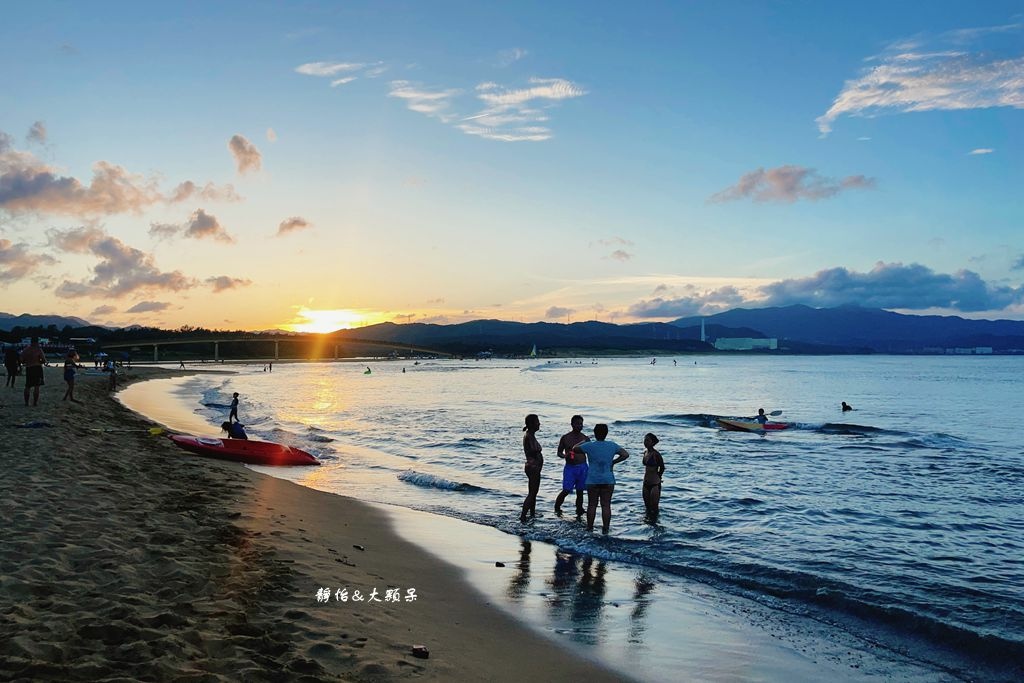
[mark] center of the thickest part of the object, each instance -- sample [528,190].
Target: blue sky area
[262,164]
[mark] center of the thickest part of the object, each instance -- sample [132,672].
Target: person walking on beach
[234,408]
[602,456]
[654,470]
[534,464]
[574,474]
[33,359]
[70,368]
[12,363]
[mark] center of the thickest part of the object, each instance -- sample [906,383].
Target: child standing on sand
[234,408]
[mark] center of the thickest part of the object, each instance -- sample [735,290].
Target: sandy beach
[123,558]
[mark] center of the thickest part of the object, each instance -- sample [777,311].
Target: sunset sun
[329,320]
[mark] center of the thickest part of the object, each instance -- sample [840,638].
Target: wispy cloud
[517,114]
[293,224]
[149,307]
[342,81]
[434,103]
[271,135]
[980,150]
[16,262]
[693,301]
[223,283]
[105,309]
[788,184]
[247,156]
[122,270]
[615,241]
[511,56]
[208,192]
[620,255]
[957,70]
[1018,264]
[327,69]
[202,225]
[37,133]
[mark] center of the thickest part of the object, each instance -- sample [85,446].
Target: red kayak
[744,426]
[242,450]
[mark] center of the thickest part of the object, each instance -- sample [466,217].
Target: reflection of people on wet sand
[520,582]
[643,586]
[602,456]
[574,474]
[578,593]
[534,464]
[654,470]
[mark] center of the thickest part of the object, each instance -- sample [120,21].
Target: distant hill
[868,328]
[514,337]
[9,322]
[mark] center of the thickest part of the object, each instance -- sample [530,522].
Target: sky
[316,165]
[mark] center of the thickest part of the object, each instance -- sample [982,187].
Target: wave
[435,482]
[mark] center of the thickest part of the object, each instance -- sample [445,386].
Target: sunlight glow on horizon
[329,320]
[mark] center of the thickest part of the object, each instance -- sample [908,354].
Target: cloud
[293,224]
[104,310]
[375,71]
[27,185]
[514,115]
[122,270]
[327,68]
[981,150]
[271,135]
[1018,264]
[613,242]
[208,192]
[342,81]
[37,133]
[223,283]
[620,255]
[893,285]
[957,70]
[202,225]
[559,312]
[788,184]
[662,288]
[148,307]
[510,56]
[434,103]
[247,157]
[693,303]
[163,231]
[16,262]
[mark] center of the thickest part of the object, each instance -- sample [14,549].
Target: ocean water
[901,521]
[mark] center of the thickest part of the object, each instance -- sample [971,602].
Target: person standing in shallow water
[654,470]
[534,464]
[574,475]
[602,456]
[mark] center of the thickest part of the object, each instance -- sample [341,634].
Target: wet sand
[122,557]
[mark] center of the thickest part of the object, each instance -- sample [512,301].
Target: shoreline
[597,608]
[126,557]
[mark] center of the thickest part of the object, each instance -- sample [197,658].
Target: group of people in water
[589,466]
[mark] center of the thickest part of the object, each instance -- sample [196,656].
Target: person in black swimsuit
[534,464]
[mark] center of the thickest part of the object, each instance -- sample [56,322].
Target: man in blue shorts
[574,475]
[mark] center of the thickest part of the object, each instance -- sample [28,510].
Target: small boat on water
[244,450]
[750,426]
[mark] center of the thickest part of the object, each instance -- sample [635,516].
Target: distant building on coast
[746,344]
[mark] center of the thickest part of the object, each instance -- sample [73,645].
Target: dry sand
[125,558]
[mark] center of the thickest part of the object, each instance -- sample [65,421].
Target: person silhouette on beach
[33,359]
[654,470]
[602,456]
[846,406]
[534,464]
[235,430]
[234,408]
[574,474]
[70,368]
[13,363]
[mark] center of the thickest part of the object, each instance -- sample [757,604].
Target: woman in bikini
[654,469]
[534,464]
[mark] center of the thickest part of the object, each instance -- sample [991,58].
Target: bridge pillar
[277,349]
[216,351]
[156,353]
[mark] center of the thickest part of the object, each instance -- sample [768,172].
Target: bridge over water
[318,341]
